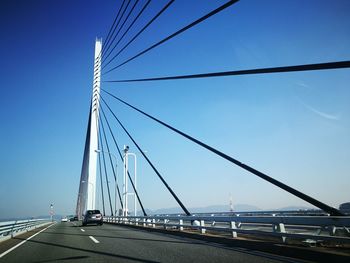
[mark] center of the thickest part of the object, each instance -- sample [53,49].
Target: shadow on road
[90,251]
[63,259]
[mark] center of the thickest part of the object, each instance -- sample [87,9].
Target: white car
[64,219]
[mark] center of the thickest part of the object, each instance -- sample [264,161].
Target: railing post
[202,225]
[165,221]
[181,225]
[144,222]
[332,230]
[12,229]
[280,228]
[153,223]
[26,227]
[233,226]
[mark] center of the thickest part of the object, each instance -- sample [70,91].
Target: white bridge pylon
[87,187]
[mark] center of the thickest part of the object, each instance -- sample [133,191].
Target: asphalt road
[70,242]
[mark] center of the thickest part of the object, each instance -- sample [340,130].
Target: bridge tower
[87,188]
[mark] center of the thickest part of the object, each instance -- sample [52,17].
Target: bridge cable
[109,32]
[99,161]
[331,210]
[83,188]
[115,27]
[126,31]
[103,200]
[294,68]
[110,42]
[148,160]
[139,33]
[121,157]
[117,146]
[205,17]
[110,159]
[105,168]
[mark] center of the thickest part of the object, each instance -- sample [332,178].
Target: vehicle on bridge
[73,218]
[92,217]
[345,208]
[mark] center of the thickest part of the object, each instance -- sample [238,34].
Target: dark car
[92,217]
[345,208]
[74,218]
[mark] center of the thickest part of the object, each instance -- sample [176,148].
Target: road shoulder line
[19,244]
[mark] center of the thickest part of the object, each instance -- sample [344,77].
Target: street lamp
[126,169]
[51,212]
[116,181]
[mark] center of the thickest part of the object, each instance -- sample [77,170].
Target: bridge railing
[10,229]
[310,230]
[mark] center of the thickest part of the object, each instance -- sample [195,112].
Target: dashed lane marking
[82,230]
[94,239]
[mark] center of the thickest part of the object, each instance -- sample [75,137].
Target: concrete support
[93,143]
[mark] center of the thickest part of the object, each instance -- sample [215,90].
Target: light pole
[51,212]
[116,176]
[126,169]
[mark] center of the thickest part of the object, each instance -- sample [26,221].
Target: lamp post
[126,169]
[116,175]
[51,212]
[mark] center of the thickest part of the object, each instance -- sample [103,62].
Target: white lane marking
[94,239]
[82,230]
[19,244]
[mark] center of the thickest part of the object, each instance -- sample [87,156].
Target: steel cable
[140,32]
[203,18]
[333,211]
[294,68]
[148,160]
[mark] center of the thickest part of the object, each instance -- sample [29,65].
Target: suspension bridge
[130,232]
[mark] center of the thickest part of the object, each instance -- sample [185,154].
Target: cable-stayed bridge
[229,237]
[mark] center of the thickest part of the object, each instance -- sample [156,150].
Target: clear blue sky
[294,126]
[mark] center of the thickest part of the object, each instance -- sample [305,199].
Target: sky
[295,127]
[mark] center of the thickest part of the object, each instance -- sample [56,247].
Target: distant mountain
[294,208]
[207,209]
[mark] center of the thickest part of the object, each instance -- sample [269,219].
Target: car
[345,208]
[74,218]
[92,217]
[64,219]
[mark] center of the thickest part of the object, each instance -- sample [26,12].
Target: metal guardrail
[310,230]
[10,229]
